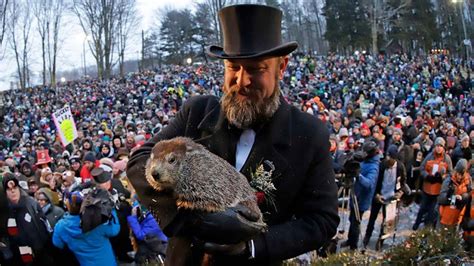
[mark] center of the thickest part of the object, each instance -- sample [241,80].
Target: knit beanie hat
[440,141]
[392,151]
[398,131]
[89,157]
[107,164]
[461,166]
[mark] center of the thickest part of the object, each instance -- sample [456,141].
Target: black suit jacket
[297,143]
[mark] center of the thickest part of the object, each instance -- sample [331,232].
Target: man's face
[251,89]
[13,192]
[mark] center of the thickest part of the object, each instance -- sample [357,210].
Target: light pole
[466,42]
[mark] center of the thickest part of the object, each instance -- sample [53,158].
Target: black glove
[429,178]
[232,226]
[239,249]
[438,178]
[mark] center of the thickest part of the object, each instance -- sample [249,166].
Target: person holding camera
[390,184]
[454,195]
[433,170]
[151,241]
[364,189]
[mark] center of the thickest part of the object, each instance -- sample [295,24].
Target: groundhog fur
[199,179]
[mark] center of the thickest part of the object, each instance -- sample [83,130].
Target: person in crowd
[91,248]
[121,243]
[52,212]
[150,239]
[75,163]
[28,229]
[364,189]
[463,150]
[436,166]
[89,162]
[390,185]
[455,194]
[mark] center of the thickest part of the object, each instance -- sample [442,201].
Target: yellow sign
[66,128]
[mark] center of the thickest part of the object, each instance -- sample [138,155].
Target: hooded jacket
[53,213]
[91,248]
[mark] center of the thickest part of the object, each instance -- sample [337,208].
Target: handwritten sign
[65,125]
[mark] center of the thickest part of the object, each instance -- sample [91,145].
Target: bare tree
[3,20]
[126,21]
[381,14]
[98,19]
[214,7]
[48,15]
[19,28]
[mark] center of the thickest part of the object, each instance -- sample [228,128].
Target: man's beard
[245,114]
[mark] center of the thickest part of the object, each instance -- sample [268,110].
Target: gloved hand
[232,226]
[438,178]
[429,178]
[239,249]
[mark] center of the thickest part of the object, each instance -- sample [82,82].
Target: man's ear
[283,63]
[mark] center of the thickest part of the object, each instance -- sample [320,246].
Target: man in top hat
[251,124]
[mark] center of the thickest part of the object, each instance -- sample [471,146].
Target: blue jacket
[91,248]
[364,187]
[148,227]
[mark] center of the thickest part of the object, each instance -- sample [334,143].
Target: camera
[352,167]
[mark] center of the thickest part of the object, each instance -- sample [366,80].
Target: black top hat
[251,31]
[101,176]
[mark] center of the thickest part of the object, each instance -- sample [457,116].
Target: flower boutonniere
[262,182]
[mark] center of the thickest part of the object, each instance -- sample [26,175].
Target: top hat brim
[281,50]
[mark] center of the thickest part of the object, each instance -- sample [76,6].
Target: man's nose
[243,78]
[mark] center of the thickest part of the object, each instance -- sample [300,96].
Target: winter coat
[468,219]
[91,248]
[401,174]
[150,239]
[432,181]
[460,153]
[53,212]
[452,215]
[28,227]
[147,227]
[364,187]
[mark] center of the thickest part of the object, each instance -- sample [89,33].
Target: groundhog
[198,180]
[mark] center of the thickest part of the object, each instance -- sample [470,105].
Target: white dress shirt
[244,146]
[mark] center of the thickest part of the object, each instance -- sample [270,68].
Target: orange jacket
[453,214]
[443,164]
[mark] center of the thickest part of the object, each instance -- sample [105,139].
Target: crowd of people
[411,118]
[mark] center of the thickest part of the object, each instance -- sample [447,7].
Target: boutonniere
[262,182]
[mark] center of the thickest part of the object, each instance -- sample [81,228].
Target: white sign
[65,125]
[159,78]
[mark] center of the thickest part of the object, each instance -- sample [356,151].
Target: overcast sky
[71,51]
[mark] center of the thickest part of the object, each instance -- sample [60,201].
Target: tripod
[346,193]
